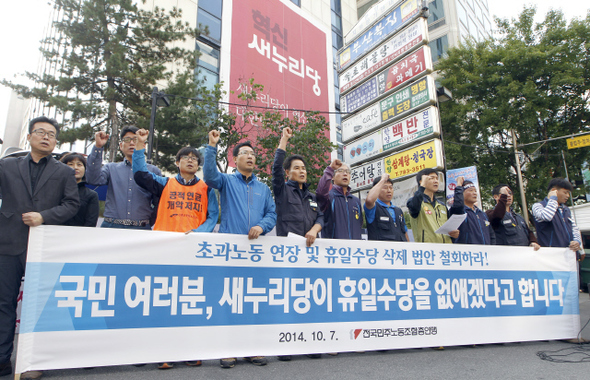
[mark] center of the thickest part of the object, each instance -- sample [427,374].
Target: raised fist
[214,137]
[287,133]
[460,181]
[142,135]
[336,164]
[100,139]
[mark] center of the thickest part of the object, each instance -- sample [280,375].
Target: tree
[108,55]
[194,110]
[309,140]
[533,80]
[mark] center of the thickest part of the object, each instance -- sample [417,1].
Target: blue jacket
[243,204]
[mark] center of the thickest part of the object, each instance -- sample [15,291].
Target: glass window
[336,6]
[297,2]
[436,11]
[336,40]
[209,78]
[211,6]
[209,57]
[439,48]
[336,21]
[213,23]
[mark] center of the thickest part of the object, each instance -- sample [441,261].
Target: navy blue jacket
[475,229]
[297,209]
[343,217]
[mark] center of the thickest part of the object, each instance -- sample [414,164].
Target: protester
[428,213]
[385,221]
[127,205]
[87,215]
[247,207]
[193,205]
[297,208]
[343,218]
[509,227]
[476,228]
[36,189]
[553,219]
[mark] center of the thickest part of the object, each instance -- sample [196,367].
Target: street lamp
[159,99]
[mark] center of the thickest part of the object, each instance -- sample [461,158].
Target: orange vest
[182,208]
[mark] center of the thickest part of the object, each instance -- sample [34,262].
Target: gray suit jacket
[55,197]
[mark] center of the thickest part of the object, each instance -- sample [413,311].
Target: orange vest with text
[182,208]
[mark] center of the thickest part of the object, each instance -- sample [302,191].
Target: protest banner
[97,297]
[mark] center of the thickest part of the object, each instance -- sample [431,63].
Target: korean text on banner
[131,293]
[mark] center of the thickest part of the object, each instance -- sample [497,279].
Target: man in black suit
[36,189]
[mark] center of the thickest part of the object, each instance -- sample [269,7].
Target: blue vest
[384,227]
[343,217]
[558,232]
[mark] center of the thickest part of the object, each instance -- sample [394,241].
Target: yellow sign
[411,161]
[578,142]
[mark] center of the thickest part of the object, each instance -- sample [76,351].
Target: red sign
[281,50]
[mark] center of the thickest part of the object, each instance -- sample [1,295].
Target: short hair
[466,182]
[426,171]
[74,156]
[560,183]
[43,119]
[128,128]
[376,180]
[497,188]
[291,158]
[188,150]
[239,146]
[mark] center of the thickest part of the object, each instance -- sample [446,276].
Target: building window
[439,48]
[437,15]
[209,14]
[297,2]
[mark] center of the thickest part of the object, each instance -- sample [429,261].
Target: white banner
[97,297]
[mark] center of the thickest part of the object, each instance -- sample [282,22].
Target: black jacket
[297,209]
[87,215]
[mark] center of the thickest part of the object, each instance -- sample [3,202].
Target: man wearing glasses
[186,202]
[127,205]
[510,228]
[247,207]
[36,189]
[343,218]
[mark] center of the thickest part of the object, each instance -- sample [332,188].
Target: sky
[22,25]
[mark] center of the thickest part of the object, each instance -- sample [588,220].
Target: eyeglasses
[246,153]
[189,158]
[43,132]
[129,139]
[343,171]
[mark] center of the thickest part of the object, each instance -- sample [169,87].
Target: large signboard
[411,129]
[381,56]
[399,104]
[407,69]
[363,149]
[404,101]
[134,292]
[272,42]
[369,17]
[411,161]
[362,176]
[393,22]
